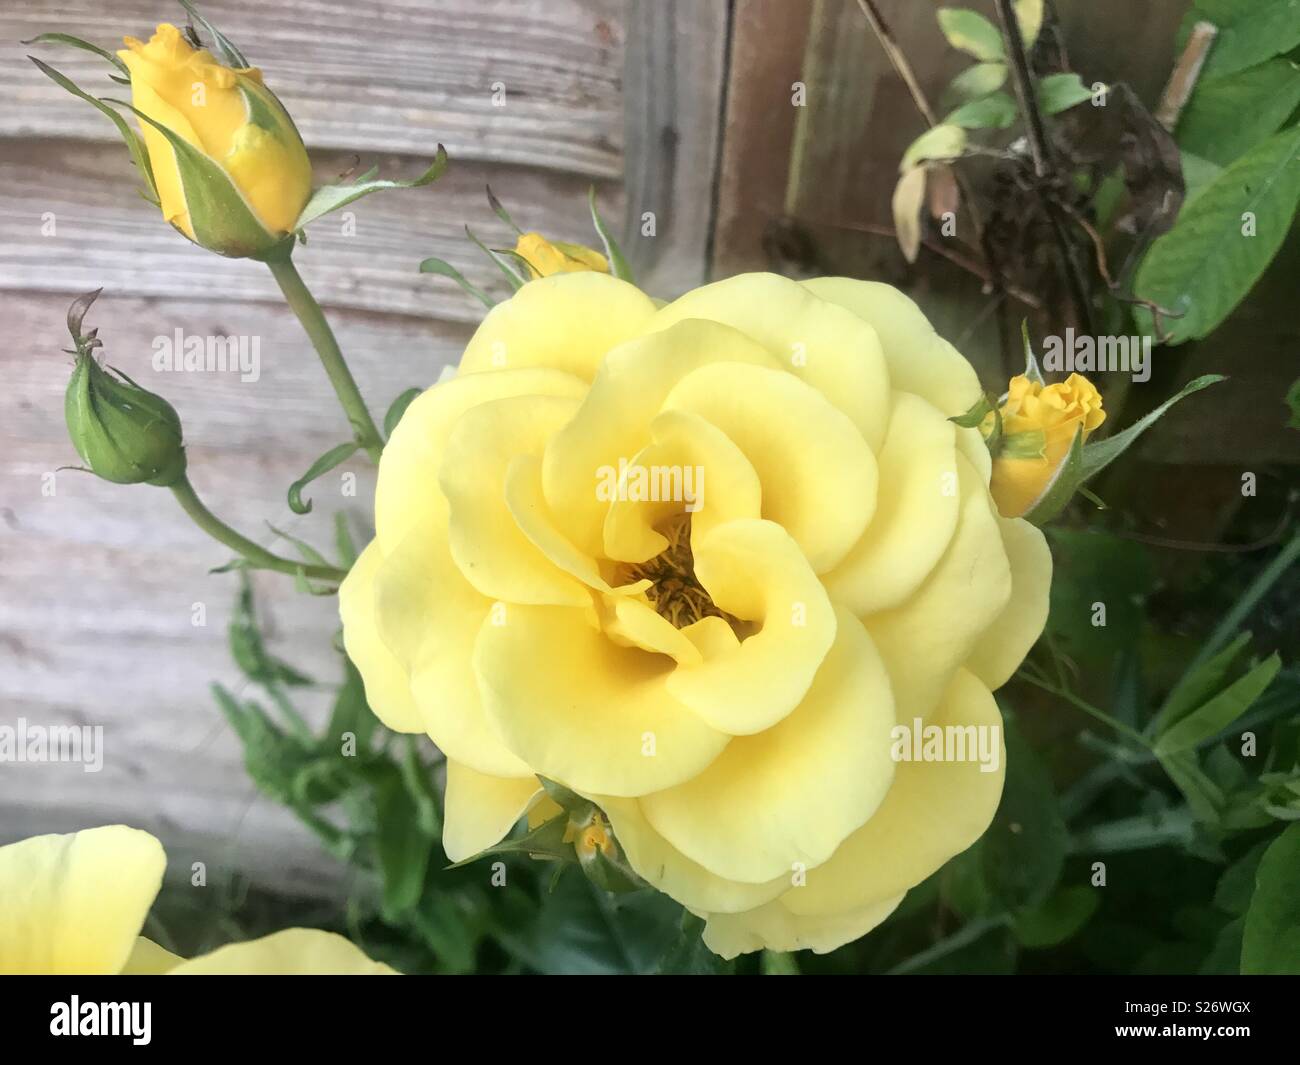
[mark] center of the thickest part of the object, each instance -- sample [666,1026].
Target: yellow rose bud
[643,553]
[546,257]
[1058,411]
[240,193]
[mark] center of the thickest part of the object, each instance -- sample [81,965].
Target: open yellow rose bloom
[75,904]
[719,670]
[230,117]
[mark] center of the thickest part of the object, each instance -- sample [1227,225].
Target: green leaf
[1206,264]
[1028,444]
[995,111]
[1032,370]
[86,46]
[398,408]
[970,32]
[516,278]
[335,456]
[329,198]
[444,269]
[979,410]
[1057,918]
[974,82]
[613,253]
[248,649]
[1198,175]
[343,542]
[1029,17]
[544,841]
[134,143]
[1062,487]
[1250,31]
[1228,116]
[309,553]
[1271,941]
[1205,798]
[500,211]
[1197,685]
[611,874]
[569,801]
[1096,457]
[401,844]
[940,142]
[1060,92]
[687,955]
[351,713]
[1024,849]
[1237,884]
[1221,711]
[271,757]
[1293,405]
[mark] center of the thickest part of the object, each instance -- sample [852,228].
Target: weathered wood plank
[390,76]
[767,51]
[676,55]
[104,234]
[98,582]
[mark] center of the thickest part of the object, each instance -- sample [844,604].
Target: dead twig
[966,262]
[1040,151]
[1186,71]
[1158,313]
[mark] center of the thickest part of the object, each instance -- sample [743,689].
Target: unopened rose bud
[123,433]
[1050,416]
[546,257]
[229,167]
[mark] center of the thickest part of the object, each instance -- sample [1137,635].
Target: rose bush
[719,671]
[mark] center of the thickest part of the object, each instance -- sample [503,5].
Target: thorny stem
[255,553]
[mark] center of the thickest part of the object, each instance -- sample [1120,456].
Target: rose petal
[74,904]
[833,350]
[786,797]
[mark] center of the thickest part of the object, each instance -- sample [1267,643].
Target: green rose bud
[123,433]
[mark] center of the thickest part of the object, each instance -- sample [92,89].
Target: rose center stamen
[675,592]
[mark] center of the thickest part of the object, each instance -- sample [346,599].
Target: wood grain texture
[106,235]
[389,76]
[766,59]
[98,581]
[676,54]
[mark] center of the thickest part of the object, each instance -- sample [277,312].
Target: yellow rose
[241,190]
[546,257]
[75,904]
[1059,411]
[721,671]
